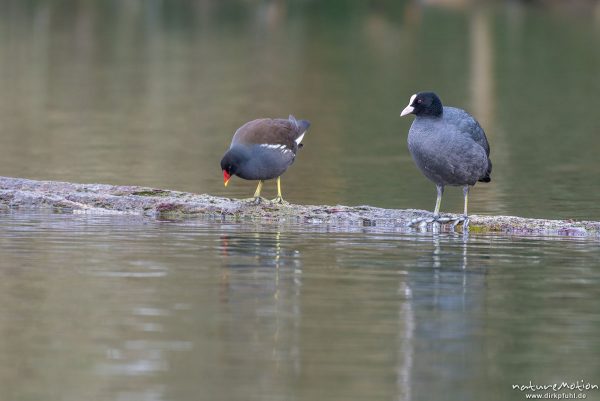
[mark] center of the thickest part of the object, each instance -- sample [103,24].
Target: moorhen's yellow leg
[279,198]
[257,199]
[258,189]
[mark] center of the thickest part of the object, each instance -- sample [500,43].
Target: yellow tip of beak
[226,182]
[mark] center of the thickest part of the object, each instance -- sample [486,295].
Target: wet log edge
[19,193]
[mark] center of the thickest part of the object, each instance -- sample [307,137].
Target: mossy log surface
[18,193]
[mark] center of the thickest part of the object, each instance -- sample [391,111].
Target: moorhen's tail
[301,127]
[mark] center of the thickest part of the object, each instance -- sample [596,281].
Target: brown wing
[267,131]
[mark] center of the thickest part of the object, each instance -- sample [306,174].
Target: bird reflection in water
[257,250]
[445,295]
[255,254]
[257,261]
[261,290]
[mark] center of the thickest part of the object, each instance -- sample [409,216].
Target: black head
[424,104]
[231,162]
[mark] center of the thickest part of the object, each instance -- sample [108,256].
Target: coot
[449,147]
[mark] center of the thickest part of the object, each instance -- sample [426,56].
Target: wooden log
[19,193]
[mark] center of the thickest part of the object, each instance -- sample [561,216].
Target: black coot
[449,147]
[263,149]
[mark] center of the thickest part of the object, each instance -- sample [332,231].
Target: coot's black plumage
[448,145]
[263,149]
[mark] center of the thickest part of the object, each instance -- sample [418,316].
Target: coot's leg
[424,221]
[466,216]
[464,219]
[438,202]
[279,198]
[466,195]
[437,219]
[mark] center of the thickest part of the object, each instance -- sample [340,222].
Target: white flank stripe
[282,148]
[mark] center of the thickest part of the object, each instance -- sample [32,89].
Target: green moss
[481,229]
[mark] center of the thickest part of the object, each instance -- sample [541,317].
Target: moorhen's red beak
[226,177]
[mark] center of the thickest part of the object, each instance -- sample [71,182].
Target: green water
[100,308]
[149,93]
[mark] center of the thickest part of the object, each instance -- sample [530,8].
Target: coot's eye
[419,101]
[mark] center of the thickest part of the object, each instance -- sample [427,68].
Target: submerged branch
[160,203]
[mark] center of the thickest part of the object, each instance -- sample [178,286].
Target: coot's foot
[423,222]
[464,219]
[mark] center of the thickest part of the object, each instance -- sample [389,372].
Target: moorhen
[263,149]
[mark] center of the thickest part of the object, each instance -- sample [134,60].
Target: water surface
[120,308]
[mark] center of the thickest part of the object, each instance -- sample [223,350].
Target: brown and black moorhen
[263,149]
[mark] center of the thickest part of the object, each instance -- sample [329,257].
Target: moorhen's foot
[256,200]
[279,200]
[423,222]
